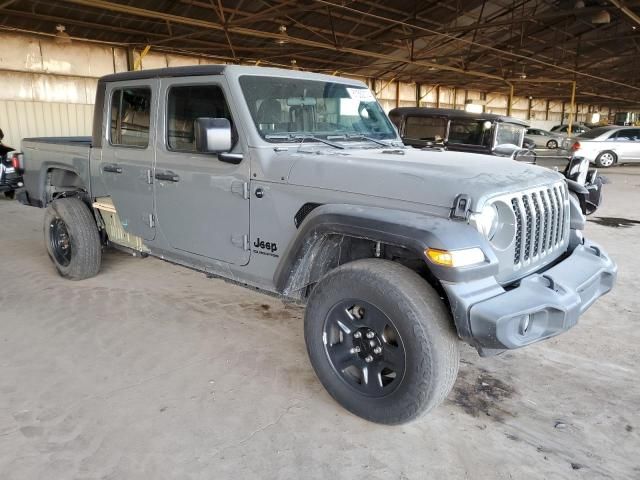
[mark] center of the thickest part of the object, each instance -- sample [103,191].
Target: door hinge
[240,241]
[149,177]
[152,221]
[240,188]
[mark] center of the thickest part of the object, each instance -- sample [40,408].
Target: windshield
[287,109]
[509,133]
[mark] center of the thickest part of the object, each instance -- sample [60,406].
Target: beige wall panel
[388,92]
[497,101]
[181,61]
[472,95]
[152,60]
[34,119]
[520,103]
[50,88]
[408,92]
[446,97]
[16,86]
[555,106]
[428,94]
[119,59]
[20,52]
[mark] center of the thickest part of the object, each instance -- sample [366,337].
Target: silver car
[545,139]
[575,129]
[606,146]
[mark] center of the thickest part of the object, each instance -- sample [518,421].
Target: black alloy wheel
[364,347]
[60,242]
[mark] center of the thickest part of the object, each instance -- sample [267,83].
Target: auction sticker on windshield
[362,94]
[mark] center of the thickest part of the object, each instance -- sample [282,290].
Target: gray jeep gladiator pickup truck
[297,184]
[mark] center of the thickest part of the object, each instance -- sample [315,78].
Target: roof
[450,112]
[190,71]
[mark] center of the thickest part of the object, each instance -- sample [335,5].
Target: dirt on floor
[153,371]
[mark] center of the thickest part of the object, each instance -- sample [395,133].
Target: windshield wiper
[359,136]
[302,138]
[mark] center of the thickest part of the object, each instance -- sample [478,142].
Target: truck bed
[45,154]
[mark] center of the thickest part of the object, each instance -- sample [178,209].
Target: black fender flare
[410,230]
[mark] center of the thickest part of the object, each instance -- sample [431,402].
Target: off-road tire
[420,317]
[608,157]
[84,239]
[552,144]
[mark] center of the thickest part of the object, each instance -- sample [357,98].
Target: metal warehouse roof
[537,44]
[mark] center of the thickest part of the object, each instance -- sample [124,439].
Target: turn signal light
[575,146]
[455,258]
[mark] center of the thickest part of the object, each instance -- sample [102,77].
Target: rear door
[129,152]
[202,200]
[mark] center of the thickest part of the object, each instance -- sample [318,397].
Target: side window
[185,104]
[130,114]
[627,135]
[470,132]
[425,128]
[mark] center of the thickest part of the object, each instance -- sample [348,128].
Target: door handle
[167,176]
[112,168]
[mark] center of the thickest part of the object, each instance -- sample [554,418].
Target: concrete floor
[153,371]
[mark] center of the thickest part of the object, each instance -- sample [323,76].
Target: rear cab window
[129,117]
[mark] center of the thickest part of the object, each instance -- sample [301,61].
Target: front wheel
[552,144]
[381,341]
[10,194]
[606,159]
[72,238]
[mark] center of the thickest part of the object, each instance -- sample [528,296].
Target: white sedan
[545,139]
[606,146]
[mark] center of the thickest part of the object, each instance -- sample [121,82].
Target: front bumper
[543,305]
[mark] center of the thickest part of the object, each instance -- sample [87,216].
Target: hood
[430,177]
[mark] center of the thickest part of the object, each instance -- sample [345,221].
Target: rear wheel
[72,238]
[552,144]
[606,159]
[381,341]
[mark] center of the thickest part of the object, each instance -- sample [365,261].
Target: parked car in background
[462,131]
[545,139]
[575,129]
[10,170]
[606,146]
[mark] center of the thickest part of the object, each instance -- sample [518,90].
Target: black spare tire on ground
[72,239]
[381,341]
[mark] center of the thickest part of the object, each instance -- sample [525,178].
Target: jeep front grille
[541,222]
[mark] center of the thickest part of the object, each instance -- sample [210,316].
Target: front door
[128,153]
[627,144]
[202,201]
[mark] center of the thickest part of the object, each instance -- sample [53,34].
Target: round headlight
[487,221]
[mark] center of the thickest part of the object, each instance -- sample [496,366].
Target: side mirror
[505,150]
[213,135]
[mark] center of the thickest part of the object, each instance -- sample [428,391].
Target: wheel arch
[60,180]
[335,234]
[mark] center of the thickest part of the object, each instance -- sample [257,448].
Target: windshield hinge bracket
[461,207]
